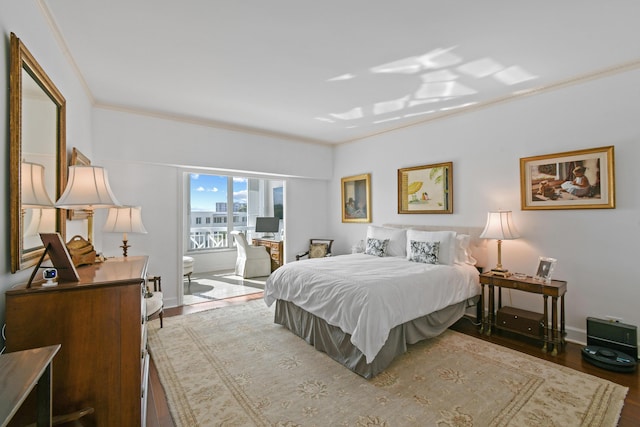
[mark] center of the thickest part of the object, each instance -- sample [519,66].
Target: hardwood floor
[158,411]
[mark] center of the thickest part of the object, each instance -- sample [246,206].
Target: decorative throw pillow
[447,239]
[376,247]
[425,252]
[318,250]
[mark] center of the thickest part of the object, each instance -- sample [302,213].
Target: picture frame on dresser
[426,189]
[78,159]
[580,179]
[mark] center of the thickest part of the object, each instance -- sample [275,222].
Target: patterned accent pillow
[318,250]
[426,252]
[376,247]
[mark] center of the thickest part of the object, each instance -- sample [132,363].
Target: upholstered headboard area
[477,245]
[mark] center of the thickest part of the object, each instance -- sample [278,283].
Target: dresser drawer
[521,321]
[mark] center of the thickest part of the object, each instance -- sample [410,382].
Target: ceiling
[332,71]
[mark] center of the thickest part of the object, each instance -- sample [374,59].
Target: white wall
[596,249]
[25,19]
[146,157]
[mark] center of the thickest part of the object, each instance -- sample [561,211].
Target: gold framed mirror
[37,156]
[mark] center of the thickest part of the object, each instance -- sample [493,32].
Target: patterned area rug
[234,367]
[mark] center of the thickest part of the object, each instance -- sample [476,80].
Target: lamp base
[125,247]
[501,272]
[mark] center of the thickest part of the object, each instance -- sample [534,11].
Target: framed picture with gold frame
[356,198]
[426,189]
[77,158]
[581,179]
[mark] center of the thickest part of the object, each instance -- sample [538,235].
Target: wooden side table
[20,372]
[554,332]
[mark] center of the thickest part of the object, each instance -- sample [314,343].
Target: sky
[207,190]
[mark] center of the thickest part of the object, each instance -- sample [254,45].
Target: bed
[412,283]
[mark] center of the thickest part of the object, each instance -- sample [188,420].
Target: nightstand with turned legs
[553,331]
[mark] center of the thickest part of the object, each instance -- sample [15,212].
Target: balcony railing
[211,238]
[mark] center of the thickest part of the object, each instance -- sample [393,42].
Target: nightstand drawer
[522,321]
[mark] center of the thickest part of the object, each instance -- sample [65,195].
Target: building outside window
[211,195]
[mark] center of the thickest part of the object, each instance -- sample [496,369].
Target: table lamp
[500,226]
[87,188]
[33,191]
[41,218]
[125,219]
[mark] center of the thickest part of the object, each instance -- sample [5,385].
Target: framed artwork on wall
[426,189]
[582,179]
[78,159]
[356,198]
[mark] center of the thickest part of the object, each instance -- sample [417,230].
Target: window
[210,196]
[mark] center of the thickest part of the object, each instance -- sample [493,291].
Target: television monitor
[268,225]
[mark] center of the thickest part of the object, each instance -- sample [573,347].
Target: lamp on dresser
[125,219]
[500,226]
[32,186]
[87,188]
[41,217]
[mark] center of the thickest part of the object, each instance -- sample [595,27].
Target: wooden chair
[153,299]
[318,248]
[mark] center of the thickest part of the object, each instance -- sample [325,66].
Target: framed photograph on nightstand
[545,269]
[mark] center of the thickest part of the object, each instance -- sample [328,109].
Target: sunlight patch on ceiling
[347,76]
[442,80]
[513,75]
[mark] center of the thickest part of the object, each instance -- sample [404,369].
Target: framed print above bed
[356,198]
[426,189]
[582,179]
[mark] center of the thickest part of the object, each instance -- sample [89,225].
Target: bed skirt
[337,344]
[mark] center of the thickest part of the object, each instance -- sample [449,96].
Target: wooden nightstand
[553,332]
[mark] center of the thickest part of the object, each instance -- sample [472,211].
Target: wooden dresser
[101,324]
[274,247]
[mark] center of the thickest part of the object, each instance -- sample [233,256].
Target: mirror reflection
[38,170]
[38,156]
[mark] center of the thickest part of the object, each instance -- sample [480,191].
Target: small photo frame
[60,257]
[356,198]
[545,269]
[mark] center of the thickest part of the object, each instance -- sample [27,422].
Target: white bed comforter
[366,296]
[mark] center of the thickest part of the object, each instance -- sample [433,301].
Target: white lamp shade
[500,226]
[125,219]
[87,188]
[40,220]
[34,192]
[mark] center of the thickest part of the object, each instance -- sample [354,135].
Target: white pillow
[447,239]
[397,245]
[463,254]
